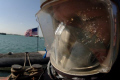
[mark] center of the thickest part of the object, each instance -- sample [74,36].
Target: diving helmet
[81,35]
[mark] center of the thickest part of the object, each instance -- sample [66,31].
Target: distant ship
[2,33]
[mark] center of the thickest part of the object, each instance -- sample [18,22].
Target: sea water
[19,44]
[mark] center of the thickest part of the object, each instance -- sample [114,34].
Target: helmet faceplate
[81,35]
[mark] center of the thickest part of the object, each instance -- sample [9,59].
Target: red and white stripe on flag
[31,32]
[28,32]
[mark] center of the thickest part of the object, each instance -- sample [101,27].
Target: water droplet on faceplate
[82,40]
[94,31]
[88,19]
[84,15]
[72,19]
[103,39]
[108,8]
[93,24]
[93,8]
[84,18]
[108,16]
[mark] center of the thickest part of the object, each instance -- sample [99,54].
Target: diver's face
[91,17]
[87,12]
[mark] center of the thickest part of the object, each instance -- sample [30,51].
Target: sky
[17,16]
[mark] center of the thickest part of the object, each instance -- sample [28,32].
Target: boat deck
[6,60]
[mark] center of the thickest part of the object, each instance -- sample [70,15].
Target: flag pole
[37,38]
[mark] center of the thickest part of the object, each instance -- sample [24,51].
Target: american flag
[31,32]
